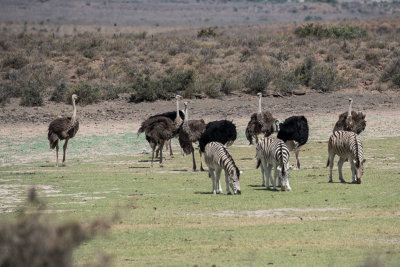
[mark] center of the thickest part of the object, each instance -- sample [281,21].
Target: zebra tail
[258,163]
[327,163]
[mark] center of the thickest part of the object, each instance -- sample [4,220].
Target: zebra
[347,145]
[217,159]
[273,153]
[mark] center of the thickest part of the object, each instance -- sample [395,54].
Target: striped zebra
[217,159]
[347,145]
[273,153]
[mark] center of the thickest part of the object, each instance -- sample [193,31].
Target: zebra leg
[275,176]
[57,154]
[64,150]
[268,175]
[212,175]
[262,174]
[330,164]
[218,180]
[340,168]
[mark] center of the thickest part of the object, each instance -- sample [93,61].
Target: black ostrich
[222,131]
[189,133]
[63,129]
[294,132]
[351,121]
[261,122]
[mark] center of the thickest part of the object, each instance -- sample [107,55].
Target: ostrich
[351,121]
[158,130]
[189,133]
[261,122]
[63,129]
[222,131]
[294,132]
[172,115]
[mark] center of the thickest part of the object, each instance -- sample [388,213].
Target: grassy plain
[167,216]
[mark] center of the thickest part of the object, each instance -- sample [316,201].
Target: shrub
[32,95]
[59,93]
[87,94]
[257,79]
[304,72]
[392,73]
[324,78]
[207,32]
[228,86]
[167,86]
[334,31]
[5,93]
[15,61]
[286,83]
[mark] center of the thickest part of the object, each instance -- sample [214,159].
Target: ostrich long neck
[349,114]
[259,105]
[73,119]
[177,109]
[185,121]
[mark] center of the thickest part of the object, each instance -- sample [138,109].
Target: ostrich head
[74,97]
[277,125]
[259,94]
[178,97]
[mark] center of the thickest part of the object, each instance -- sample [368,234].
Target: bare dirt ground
[322,110]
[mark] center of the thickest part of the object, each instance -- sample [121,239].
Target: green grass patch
[168,217]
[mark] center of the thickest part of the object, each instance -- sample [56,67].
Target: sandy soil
[321,110]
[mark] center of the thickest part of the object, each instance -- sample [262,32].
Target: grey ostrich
[261,122]
[63,129]
[189,133]
[158,131]
[351,121]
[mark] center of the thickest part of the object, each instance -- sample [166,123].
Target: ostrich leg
[161,157]
[64,150]
[201,163]
[194,161]
[57,154]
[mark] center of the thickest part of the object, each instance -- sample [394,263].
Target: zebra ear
[240,172]
[364,160]
[279,168]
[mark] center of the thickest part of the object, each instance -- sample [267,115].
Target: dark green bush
[286,83]
[150,90]
[334,31]
[5,93]
[207,32]
[392,74]
[304,72]
[15,61]
[257,79]
[59,93]
[32,95]
[324,78]
[228,86]
[87,94]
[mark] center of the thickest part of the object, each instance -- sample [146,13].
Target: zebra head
[276,125]
[234,181]
[359,169]
[284,178]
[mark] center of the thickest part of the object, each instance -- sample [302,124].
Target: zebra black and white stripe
[347,145]
[273,153]
[217,159]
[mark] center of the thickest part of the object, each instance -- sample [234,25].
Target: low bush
[5,93]
[392,74]
[335,31]
[304,71]
[257,79]
[324,78]
[286,83]
[87,94]
[59,93]
[207,32]
[15,61]
[228,86]
[32,94]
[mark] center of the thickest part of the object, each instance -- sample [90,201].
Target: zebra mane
[228,155]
